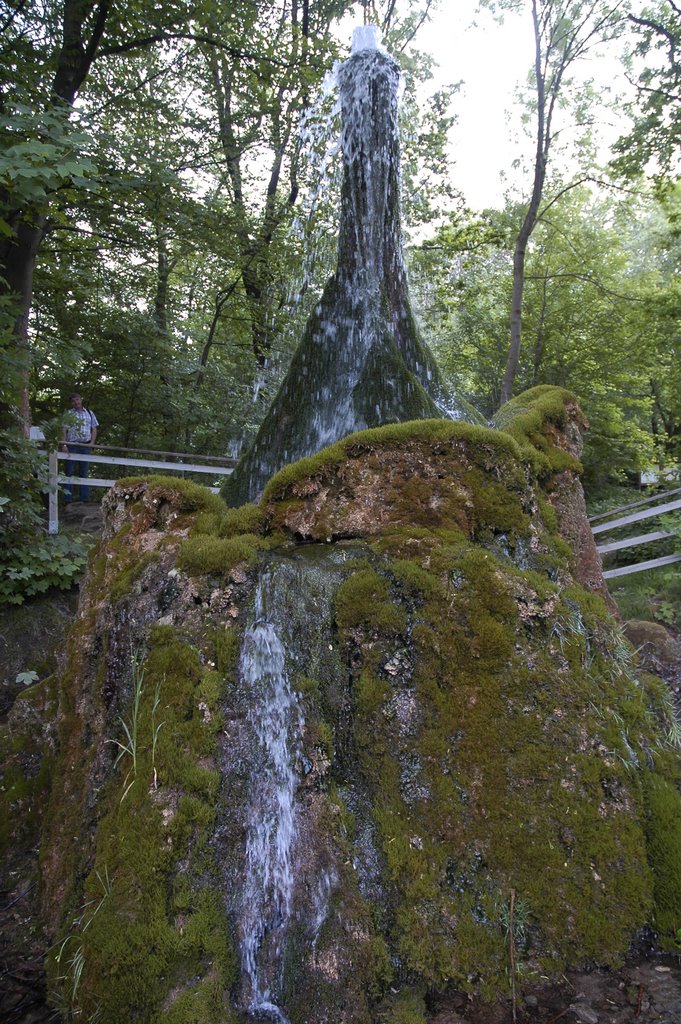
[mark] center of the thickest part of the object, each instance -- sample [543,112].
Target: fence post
[53,493]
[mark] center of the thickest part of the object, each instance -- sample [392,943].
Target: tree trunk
[19,253]
[163,268]
[18,261]
[539,340]
[530,219]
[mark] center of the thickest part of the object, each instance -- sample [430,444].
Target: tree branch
[573,276]
[144,42]
[656,27]
[420,22]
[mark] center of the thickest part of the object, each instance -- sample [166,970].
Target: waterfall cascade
[379,713]
[276,720]
[283,894]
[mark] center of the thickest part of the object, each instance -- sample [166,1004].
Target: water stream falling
[276,719]
[285,874]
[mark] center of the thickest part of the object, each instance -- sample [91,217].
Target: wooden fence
[166,462]
[647,508]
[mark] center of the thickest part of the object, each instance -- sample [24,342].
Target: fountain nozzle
[367,37]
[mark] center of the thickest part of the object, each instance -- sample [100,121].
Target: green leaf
[27,678]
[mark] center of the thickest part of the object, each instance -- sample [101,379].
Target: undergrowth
[40,563]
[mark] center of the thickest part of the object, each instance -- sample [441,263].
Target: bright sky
[492,60]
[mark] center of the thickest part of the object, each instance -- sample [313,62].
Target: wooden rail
[643,513]
[175,465]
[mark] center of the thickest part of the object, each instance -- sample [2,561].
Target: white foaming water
[277,722]
[319,139]
[367,37]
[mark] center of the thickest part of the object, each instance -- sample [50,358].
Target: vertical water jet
[361,362]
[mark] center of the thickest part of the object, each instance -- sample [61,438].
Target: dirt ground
[643,991]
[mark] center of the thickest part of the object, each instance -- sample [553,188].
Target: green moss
[516,774]
[211,688]
[306,685]
[404,1007]
[125,580]
[207,523]
[151,940]
[521,435]
[320,734]
[415,580]
[23,790]
[663,835]
[245,519]
[204,553]
[392,436]
[496,508]
[226,650]
[184,495]
[370,694]
[526,417]
[364,600]
[527,413]
[230,522]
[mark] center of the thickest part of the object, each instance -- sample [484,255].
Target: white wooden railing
[172,462]
[648,508]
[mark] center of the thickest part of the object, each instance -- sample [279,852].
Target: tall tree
[54,49]
[24,212]
[564,31]
[600,316]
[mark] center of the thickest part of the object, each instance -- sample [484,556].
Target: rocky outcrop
[342,755]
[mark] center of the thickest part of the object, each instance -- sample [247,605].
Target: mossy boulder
[659,651]
[469,733]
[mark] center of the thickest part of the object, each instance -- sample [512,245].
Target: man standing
[80,434]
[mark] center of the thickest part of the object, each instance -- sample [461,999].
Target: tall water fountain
[380,713]
[361,362]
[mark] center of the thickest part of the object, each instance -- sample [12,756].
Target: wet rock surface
[469,727]
[646,991]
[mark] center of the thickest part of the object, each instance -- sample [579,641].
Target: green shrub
[38,563]
[30,561]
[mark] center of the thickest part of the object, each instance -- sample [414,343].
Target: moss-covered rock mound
[481,783]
